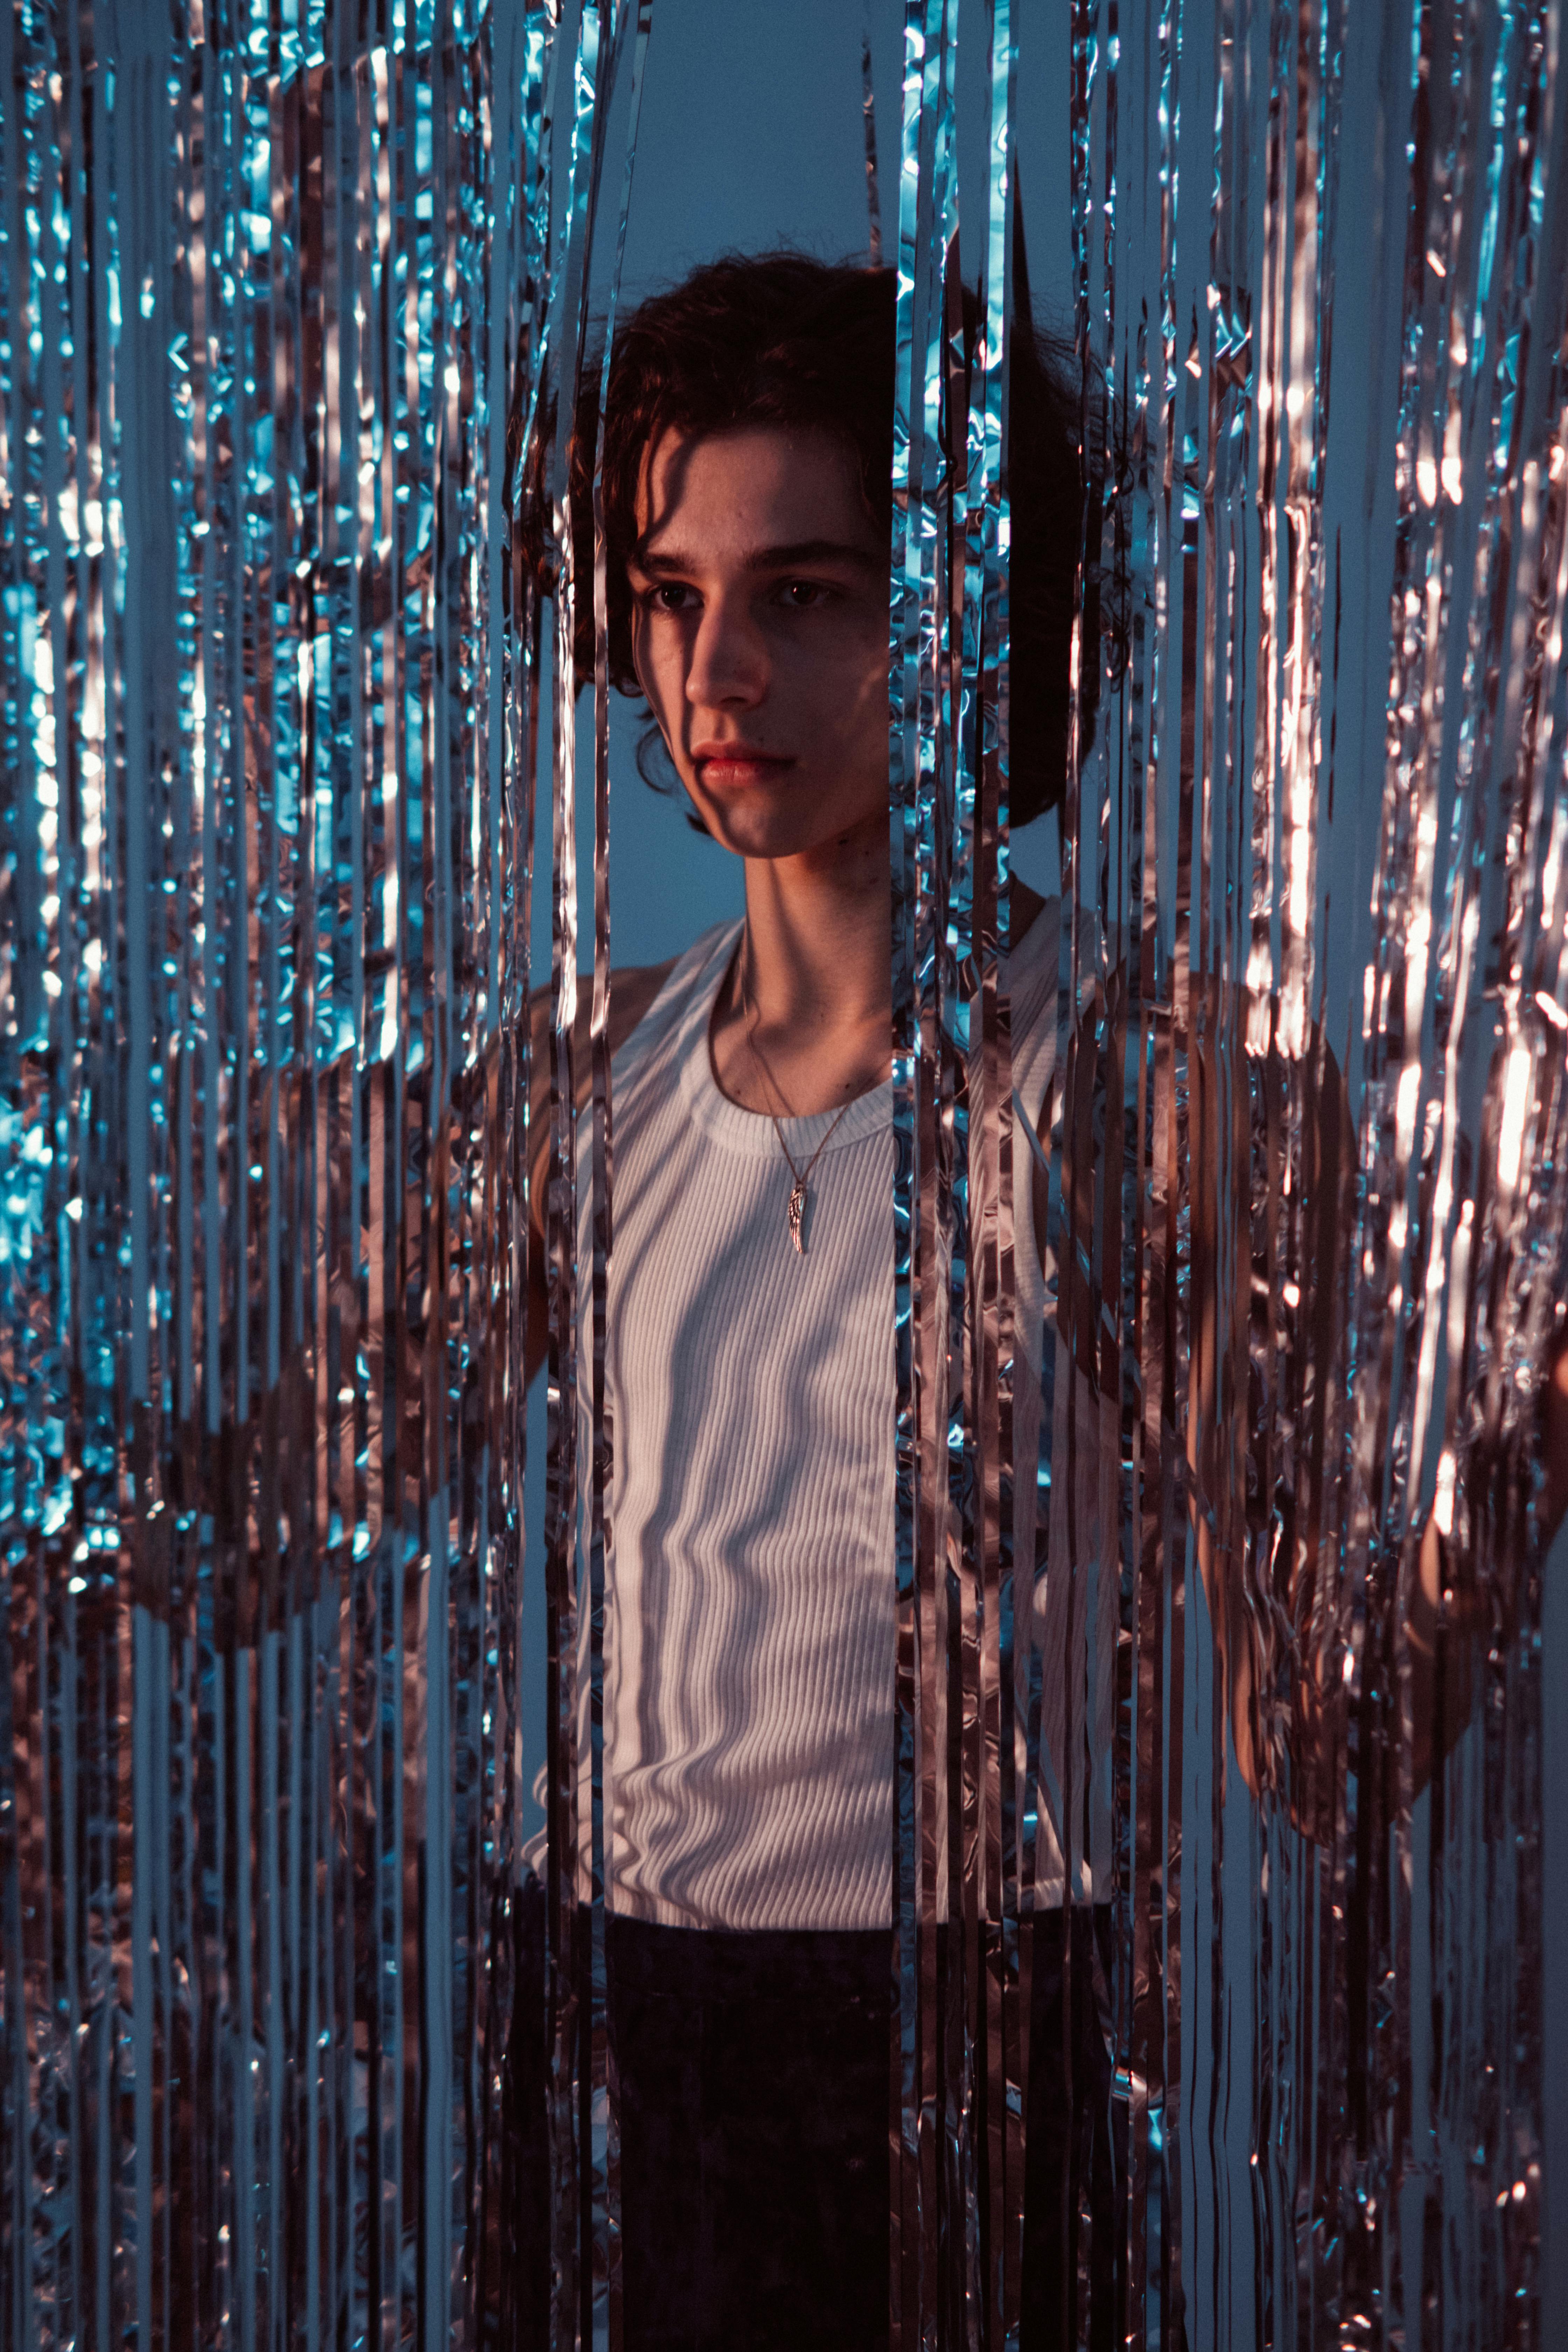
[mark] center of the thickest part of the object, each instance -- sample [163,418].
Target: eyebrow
[797,555]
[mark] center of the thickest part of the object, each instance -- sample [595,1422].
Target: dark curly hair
[781,339]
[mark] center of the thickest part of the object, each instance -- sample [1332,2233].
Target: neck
[818,935]
[817,940]
[803,1023]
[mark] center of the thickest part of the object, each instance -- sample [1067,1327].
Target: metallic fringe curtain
[259,933]
[274,700]
[1313,1175]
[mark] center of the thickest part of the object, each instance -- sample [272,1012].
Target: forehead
[733,493]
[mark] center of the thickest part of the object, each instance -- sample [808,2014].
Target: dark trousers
[754,2136]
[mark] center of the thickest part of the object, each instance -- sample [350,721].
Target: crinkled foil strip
[921,2189]
[585,2291]
[607,2314]
[961,1688]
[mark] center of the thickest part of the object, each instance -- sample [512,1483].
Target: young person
[749,1750]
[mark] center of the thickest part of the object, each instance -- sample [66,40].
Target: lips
[736,765]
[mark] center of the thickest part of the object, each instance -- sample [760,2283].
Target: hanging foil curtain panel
[961,1864]
[1262,1692]
[265,271]
[1312,1131]
[275,699]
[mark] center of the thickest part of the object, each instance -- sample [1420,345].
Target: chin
[775,842]
[756,831]
[748,828]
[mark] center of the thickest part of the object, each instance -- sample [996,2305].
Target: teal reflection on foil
[259,1595]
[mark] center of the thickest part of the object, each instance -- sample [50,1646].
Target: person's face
[760,634]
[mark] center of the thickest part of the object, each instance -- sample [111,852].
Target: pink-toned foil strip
[608,2319]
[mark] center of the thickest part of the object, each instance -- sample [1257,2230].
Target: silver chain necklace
[800,1196]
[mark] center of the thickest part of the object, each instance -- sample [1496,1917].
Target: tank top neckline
[749,1134]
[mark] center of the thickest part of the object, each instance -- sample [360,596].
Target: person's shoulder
[635,989]
[1034,922]
[640,989]
[1031,964]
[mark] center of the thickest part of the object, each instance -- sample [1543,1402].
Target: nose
[729,668]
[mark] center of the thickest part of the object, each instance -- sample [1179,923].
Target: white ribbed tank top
[749,1647]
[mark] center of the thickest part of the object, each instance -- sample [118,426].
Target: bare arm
[1445,1677]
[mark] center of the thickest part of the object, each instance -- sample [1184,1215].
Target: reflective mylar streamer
[998,1879]
[869,118]
[585,2263]
[961,1758]
[605,2091]
[571,2143]
[1460,1232]
[1319,1225]
[526,212]
[258,930]
[917,642]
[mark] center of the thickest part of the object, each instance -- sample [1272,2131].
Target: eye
[804,596]
[670,596]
